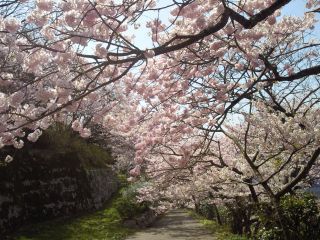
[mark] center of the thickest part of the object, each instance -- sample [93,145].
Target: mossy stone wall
[39,185]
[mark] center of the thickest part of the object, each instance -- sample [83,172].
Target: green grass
[220,232]
[101,225]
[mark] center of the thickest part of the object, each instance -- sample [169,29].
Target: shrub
[268,234]
[129,208]
[127,205]
[59,143]
[62,139]
[300,219]
[207,210]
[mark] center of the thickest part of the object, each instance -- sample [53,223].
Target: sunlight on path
[176,225]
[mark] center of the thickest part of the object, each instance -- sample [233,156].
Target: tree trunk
[217,214]
[279,216]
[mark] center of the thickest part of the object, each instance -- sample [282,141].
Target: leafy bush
[129,208]
[268,234]
[207,211]
[300,219]
[60,144]
[127,205]
[62,139]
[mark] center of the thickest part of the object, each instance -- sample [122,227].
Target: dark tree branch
[304,172]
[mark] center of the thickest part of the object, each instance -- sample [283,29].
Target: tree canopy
[223,102]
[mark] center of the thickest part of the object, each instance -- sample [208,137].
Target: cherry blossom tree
[222,101]
[78,51]
[273,151]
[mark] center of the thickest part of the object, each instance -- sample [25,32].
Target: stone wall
[35,189]
[103,184]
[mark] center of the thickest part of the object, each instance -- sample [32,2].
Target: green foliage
[59,144]
[101,225]
[270,234]
[296,216]
[299,217]
[122,178]
[207,211]
[221,232]
[62,140]
[234,214]
[128,208]
[127,205]
[226,215]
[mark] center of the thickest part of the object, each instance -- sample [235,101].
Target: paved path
[176,225]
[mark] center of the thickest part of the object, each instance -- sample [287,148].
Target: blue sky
[142,40]
[295,8]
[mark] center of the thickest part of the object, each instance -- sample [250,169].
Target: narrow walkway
[176,225]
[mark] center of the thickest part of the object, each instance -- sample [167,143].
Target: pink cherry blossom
[149,54]
[8,159]
[219,89]
[85,132]
[12,25]
[45,5]
[135,171]
[33,137]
